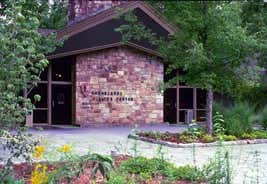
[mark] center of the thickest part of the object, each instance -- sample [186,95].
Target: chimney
[80,9]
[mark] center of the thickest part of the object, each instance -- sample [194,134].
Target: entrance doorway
[170,105]
[55,89]
[61,104]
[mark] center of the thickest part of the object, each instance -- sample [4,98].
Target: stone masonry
[80,9]
[118,86]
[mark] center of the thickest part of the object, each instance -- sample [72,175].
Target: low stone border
[190,145]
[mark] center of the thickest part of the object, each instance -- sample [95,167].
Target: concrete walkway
[106,139]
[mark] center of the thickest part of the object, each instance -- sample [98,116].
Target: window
[61,71]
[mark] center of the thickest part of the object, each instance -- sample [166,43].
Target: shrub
[239,119]
[263,118]
[248,136]
[208,138]
[187,138]
[146,168]
[195,130]
[260,134]
[119,178]
[229,138]
[186,173]
[143,165]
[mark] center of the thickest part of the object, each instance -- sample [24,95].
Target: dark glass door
[61,104]
[170,107]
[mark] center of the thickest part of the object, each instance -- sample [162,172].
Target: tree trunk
[209,111]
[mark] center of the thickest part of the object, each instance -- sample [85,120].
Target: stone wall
[80,9]
[118,86]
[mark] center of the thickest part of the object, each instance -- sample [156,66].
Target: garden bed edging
[190,145]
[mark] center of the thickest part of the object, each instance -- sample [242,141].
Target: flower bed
[200,138]
[139,170]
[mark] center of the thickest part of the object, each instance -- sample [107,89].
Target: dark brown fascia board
[93,49]
[110,14]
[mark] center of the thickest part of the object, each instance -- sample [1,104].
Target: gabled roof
[97,32]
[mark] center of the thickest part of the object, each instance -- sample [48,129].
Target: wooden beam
[49,94]
[177,100]
[195,102]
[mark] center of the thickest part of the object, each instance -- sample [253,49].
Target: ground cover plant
[231,123]
[186,137]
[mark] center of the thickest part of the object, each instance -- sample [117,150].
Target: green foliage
[10,180]
[56,15]
[186,173]
[248,136]
[20,145]
[210,46]
[218,122]
[194,49]
[260,134]
[119,178]
[219,168]
[74,166]
[146,168]
[143,165]
[22,58]
[263,118]
[208,138]
[194,129]
[185,138]
[229,138]
[51,15]
[238,118]
[101,163]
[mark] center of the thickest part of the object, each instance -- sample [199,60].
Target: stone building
[96,79]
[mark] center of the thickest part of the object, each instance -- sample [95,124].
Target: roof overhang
[108,46]
[107,16]
[112,13]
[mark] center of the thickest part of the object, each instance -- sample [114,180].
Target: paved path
[103,140]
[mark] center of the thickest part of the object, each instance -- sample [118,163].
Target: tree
[56,16]
[51,15]
[22,58]
[209,47]
[254,17]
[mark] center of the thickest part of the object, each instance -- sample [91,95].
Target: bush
[263,118]
[143,165]
[188,138]
[238,119]
[207,138]
[248,136]
[118,178]
[186,173]
[146,168]
[229,138]
[260,134]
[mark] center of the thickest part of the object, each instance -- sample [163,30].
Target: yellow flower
[65,148]
[38,175]
[38,152]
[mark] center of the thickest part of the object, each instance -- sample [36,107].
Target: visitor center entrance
[55,89]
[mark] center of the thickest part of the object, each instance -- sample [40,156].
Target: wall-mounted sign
[105,96]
